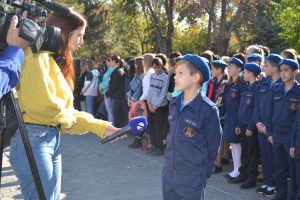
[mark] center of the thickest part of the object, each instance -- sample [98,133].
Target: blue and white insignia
[262,90]
[190,122]
[277,98]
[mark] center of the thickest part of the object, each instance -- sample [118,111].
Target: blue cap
[293,63]
[220,63]
[200,63]
[252,67]
[237,61]
[255,57]
[274,57]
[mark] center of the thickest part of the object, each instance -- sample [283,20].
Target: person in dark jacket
[195,133]
[295,149]
[271,69]
[115,94]
[281,115]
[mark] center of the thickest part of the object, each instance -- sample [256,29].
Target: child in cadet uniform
[280,118]
[256,58]
[230,107]
[195,133]
[295,150]
[271,69]
[247,129]
[215,92]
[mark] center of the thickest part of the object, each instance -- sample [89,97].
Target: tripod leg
[28,150]
[2,127]
[1,154]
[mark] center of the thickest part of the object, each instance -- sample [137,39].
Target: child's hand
[249,133]
[259,126]
[293,152]
[270,139]
[237,131]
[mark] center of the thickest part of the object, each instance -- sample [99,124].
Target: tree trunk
[163,43]
[210,21]
[222,34]
[225,34]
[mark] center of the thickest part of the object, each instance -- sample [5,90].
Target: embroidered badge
[293,106]
[233,94]
[188,132]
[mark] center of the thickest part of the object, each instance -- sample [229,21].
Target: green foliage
[126,28]
[194,43]
[287,14]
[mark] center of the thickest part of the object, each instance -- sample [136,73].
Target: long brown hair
[67,24]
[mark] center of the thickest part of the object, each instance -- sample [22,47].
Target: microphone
[136,126]
[55,7]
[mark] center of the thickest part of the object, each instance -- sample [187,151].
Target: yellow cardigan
[46,98]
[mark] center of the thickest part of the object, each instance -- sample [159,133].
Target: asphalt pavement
[93,171]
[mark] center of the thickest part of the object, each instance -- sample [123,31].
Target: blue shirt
[10,67]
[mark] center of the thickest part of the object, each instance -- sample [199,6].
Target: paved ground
[92,171]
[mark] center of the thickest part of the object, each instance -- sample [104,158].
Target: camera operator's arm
[11,59]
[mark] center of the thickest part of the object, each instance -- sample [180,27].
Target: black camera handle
[34,170]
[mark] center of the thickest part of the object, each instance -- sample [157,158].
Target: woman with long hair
[46,99]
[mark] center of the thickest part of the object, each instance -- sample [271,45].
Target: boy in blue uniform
[195,134]
[247,129]
[280,118]
[295,150]
[271,69]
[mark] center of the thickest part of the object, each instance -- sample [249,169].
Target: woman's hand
[110,130]
[73,122]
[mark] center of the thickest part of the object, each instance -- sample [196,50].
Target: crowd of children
[257,96]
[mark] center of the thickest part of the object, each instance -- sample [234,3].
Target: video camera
[33,28]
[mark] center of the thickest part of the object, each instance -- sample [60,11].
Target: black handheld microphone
[55,7]
[135,126]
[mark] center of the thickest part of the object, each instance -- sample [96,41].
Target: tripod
[10,99]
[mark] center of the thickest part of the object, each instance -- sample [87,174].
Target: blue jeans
[115,110]
[44,142]
[89,101]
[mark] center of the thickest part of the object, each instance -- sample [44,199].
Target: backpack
[10,120]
